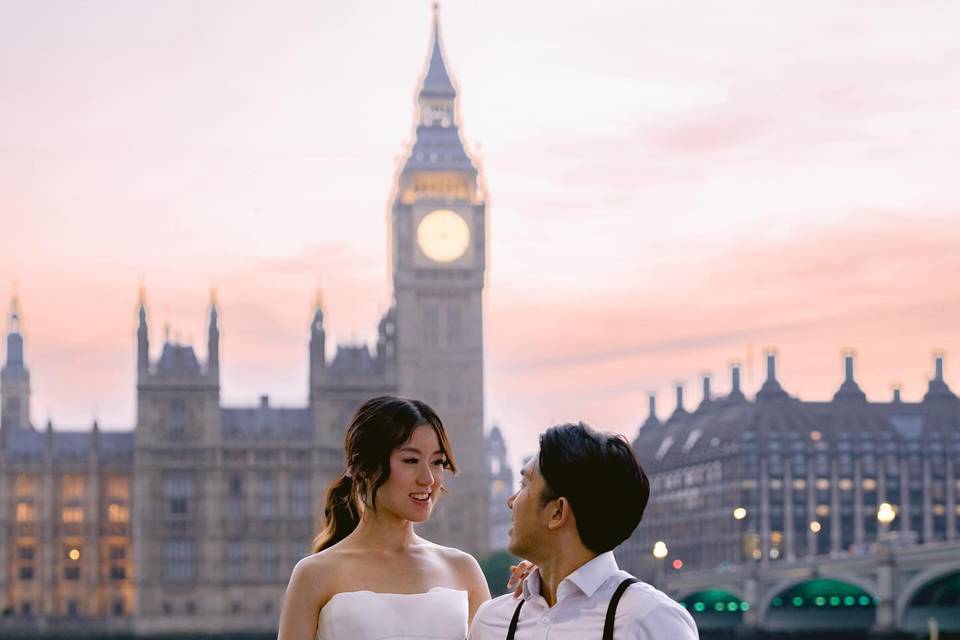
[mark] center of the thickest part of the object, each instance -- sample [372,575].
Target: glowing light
[718,606]
[660,550]
[834,601]
[699,606]
[797,601]
[816,436]
[864,600]
[885,513]
[678,564]
[777,602]
[74,554]
[745,606]
[849,601]
[815,526]
[757,554]
[819,601]
[739,513]
[774,553]
[732,606]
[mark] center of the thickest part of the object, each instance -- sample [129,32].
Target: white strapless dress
[438,614]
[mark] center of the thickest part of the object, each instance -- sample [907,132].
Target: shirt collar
[591,575]
[588,577]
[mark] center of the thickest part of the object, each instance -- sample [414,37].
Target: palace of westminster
[192,520]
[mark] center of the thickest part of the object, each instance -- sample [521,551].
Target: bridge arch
[916,584]
[840,601]
[719,607]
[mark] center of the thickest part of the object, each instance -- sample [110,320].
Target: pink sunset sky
[672,186]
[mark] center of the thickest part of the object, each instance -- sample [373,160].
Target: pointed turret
[771,389]
[438,146]
[318,343]
[143,336]
[679,411]
[652,420]
[213,338]
[938,389]
[736,394]
[14,377]
[707,399]
[436,81]
[849,390]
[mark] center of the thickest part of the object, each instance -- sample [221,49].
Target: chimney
[264,401]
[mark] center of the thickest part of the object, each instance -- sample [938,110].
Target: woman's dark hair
[379,426]
[600,477]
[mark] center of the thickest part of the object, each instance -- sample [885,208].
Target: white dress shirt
[581,609]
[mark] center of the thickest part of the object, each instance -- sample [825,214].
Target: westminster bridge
[889,587]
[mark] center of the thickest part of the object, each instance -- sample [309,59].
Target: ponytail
[342,513]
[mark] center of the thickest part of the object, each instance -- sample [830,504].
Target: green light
[849,601]
[745,606]
[819,601]
[778,601]
[718,606]
[834,601]
[732,606]
[698,606]
[797,601]
[864,600]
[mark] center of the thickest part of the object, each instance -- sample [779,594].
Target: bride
[374,577]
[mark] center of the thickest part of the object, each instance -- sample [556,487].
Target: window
[235,497]
[25,552]
[177,492]
[431,324]
[117,608]
[118,572]
[176,417]
[73,608]
[25,511]
[26,573]
[268,496]
[26,609]
[72,488]
[235,560]
[299,496]
[73,515]
[454,324]
[268,560]
[71,572]
[179,560]
[118,552]
[118,514]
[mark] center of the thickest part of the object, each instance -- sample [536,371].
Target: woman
[374,577]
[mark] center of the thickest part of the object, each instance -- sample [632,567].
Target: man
[581,496]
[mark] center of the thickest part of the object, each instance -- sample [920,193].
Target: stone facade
[192,521]
[778,480]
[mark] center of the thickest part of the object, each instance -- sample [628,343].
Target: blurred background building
[776,489]
[192,520]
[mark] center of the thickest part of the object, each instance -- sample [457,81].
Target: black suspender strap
[612,609]
[608,623]
[513,623]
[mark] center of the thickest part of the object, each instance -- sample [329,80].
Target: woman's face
[416,476]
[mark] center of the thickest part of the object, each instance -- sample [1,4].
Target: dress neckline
[382,593]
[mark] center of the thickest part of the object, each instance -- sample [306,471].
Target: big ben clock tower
[438,228]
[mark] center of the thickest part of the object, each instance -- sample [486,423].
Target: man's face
[529,513]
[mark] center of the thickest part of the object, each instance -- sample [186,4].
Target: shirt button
[545,620]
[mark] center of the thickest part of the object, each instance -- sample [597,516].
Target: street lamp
[660,552]
[885,513]
[739,513]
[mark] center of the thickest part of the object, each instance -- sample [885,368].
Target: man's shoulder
[651,608]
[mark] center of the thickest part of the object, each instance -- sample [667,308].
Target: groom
[581,496]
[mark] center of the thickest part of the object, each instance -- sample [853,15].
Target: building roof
[68,445]
[278,424]
[776,421]
[178,359]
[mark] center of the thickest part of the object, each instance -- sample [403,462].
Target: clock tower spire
[438,229]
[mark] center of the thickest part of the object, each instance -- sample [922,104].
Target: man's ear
[560,513]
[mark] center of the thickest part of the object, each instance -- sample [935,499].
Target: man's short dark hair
[600,477]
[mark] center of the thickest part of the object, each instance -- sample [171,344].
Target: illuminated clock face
[443,236]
